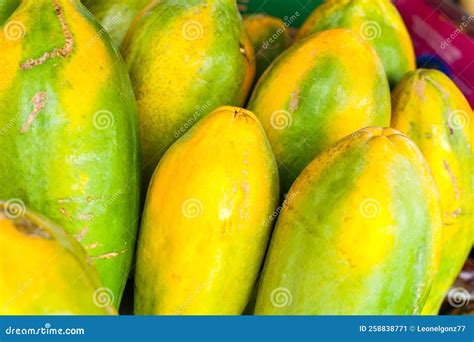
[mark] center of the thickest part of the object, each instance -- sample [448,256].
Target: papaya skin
[207,219]
[313,95]
[44,271]
[376,21]
[269,37]
[185,59]
[432,111]
[70,148]
[116,16]
[352,240]
[6,9]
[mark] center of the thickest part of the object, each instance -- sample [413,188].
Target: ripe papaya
[360,233]
[44,271]
[432,111]
[185,59]
[377,22]
[6,9]
[314,94]
[207,218]
[116,16]
[68,133]
[269,37]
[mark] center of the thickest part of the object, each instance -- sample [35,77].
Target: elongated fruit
[69,133]
[207,218]
[377,22]
[185,59]
[6,9]
[43,270]
[431,110]
[269,37]
[116,16]
[359,234]
[313,95]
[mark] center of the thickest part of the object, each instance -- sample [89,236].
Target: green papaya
[185,59]
[269,37]
[360,233]
[202,244]
[6,9]
[377,22]
[116,16]
[43,270]
[314,94]
[69,140]
[432,111]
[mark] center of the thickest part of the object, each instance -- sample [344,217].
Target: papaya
[116,16]
[185,59]
[69,137]
[360,234]
[207,219]
[269,37]
[432,111]
[314,94]
[377,22]
[6,9]
[44,271]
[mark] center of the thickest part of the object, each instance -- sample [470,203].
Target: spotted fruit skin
[360,233]
[69,137]
[45,271]
[185,59]
[313,95]
[432,111]
[376,21]
[207,219]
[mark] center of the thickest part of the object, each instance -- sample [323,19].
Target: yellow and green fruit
[432,111]
[377,22]
[7,7]
[314,94]
[45,271]
[70,148]
[207,219]
[360,233]
[185,59]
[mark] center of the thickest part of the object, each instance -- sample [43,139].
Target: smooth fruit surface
[360,233]
[313,95]
[43,270]
[431,110]
[6,9]
[377,22]
[207,219]
[185,59]
[69,133]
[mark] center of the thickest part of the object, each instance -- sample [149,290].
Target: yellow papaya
[185,59]
[360,233]
[207,218]
[377,22]
[43,270]
[69,136]
[318,91]
[432,111]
